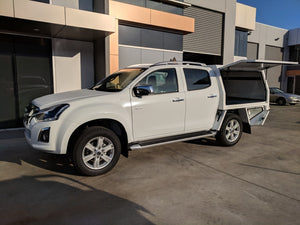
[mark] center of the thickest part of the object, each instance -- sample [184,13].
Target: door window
[196,79]
[162,81]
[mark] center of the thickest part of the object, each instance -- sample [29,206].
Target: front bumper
[293,101]
[33,131]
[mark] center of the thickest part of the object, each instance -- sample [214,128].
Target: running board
[170,139]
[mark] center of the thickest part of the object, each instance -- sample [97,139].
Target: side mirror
[139,91]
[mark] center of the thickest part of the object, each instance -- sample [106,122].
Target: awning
[46,20]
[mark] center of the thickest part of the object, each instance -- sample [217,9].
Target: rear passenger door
[202,99]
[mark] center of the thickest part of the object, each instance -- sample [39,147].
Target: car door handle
[178,100]
[212,96]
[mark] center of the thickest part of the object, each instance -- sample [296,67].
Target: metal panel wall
[274,74]
[208,34]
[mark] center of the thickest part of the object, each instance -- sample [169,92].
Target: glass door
[25,74]
[8,109]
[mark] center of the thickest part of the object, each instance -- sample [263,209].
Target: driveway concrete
[197,182]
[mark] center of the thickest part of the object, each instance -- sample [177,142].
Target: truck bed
[243,87]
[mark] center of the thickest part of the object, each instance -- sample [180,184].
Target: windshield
[119,80]
[276,90]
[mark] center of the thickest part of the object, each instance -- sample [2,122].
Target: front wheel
[231,130]
[96,151]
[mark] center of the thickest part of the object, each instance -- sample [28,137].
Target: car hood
[66,97]
[291,95]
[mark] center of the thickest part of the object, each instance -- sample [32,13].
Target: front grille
[30,111]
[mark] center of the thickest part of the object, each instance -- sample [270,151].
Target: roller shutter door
[274,74]
[207,38]
[252,50]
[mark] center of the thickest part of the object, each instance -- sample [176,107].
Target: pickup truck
[147,105]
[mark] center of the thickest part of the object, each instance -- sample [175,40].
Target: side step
[170,139]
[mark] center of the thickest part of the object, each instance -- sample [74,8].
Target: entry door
[162,113]
[202,99]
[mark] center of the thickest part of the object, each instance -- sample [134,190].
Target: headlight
[51,113]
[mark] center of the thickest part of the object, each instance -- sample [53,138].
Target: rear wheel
[96,151]
[231,130]
[281,101]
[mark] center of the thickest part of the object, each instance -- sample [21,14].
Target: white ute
[146,105]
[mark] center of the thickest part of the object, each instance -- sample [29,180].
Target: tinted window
[26,73]
[129,35]
[152,38]
[241,40]
[162,81]
[142,37]
[196,79]
[158,5]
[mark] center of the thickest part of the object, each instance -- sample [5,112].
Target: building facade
[52,46]
[291,74]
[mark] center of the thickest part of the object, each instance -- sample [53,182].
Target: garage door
[274,74]
[207,38]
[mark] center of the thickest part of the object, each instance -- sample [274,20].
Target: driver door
[161,113]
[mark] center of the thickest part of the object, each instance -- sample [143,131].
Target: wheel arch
[283,98]
[221,136]
[242,113]
[111,124]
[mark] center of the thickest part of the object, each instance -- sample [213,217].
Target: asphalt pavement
[256,182]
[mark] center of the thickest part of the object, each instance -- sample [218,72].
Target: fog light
[44,135]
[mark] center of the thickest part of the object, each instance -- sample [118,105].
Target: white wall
[266,35]
[73,64]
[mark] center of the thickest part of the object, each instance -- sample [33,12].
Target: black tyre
[96,151]
[281,101]
[231,130]
[292,103]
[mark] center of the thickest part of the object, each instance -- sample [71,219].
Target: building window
[241,40]
[43,1]
[142,37]
[158,5]
[295,53]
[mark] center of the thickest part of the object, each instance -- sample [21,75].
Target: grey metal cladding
[207,37]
